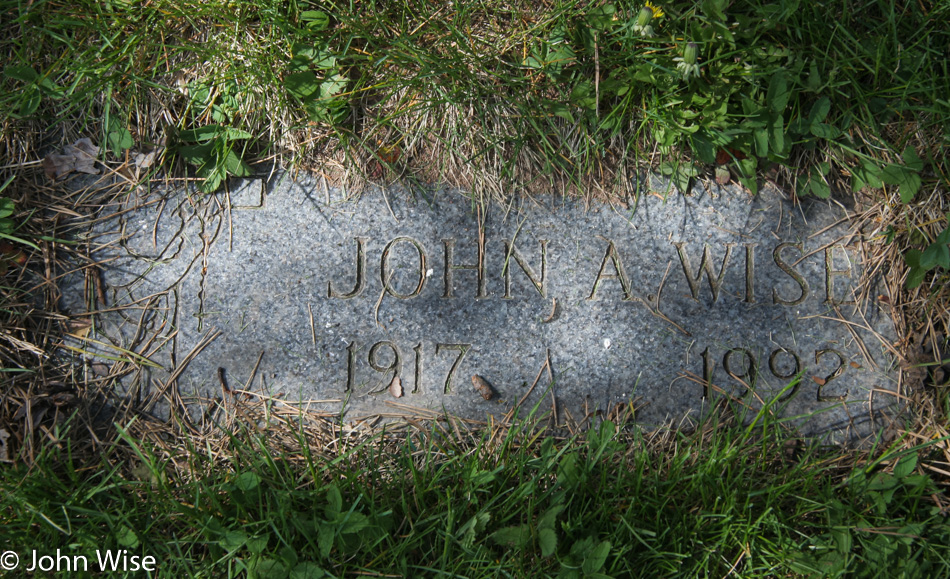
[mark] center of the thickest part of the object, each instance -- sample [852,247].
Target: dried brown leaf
[722,175]
[80,156]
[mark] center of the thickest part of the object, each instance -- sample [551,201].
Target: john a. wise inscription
[670,304]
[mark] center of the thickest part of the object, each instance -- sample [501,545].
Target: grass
[513,502]
[501,98]
[496,94]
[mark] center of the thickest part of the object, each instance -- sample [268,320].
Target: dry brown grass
[48,387]
[419,138]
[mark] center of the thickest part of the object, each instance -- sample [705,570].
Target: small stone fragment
[483,387]
[395,387]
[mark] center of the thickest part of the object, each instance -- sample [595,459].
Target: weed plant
[501,98]
[505,502]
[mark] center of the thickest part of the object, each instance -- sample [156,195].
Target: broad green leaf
[581,549]
[778,93]
[118,137]
[936,254]
[324,60]
[906,465]
[270,569]
[247,481]
[547,538]
[316,20]
[867,174]
[468,532]
[302,85]
[893,174]
[761,138]
[299,64]
[354,523]
[213,176]
[601,18]
[6,226]
[583,95]
[233,540]
[910,186]
[232,134]
[235,165]
[306,52]
[333,86]
[7,207]
[549,519]
[568,473]
[197,155]
[517,537]
[714,9]
[746,166]
[30,101]
[595,560]
[915,277]
[819,187]
[819,110]
[754,123]
[749,183]
[307,570]
[842,537]
[703,147]
[49,88]
[825,131]
[201,134]
[912,160]
[916,274]
[942,237]
[126,537]
[799,126]
[334,502]
[814,77]
[257,545]
[533,61]
[200,93]
[682,177]
[22,73]
[325,536]
[777,136]
[560,110]
[547,530]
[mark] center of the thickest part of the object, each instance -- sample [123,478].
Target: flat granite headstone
[671,304]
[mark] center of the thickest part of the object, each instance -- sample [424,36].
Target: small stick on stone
[382,294]
[224,383]
[313,330]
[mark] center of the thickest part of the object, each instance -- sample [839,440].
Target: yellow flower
[657,11]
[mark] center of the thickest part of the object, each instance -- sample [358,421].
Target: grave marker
[671,304]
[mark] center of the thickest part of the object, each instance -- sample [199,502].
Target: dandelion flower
[657,11]
[687,64]
[642,25]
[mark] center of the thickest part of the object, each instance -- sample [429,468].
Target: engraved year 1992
[785,364]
